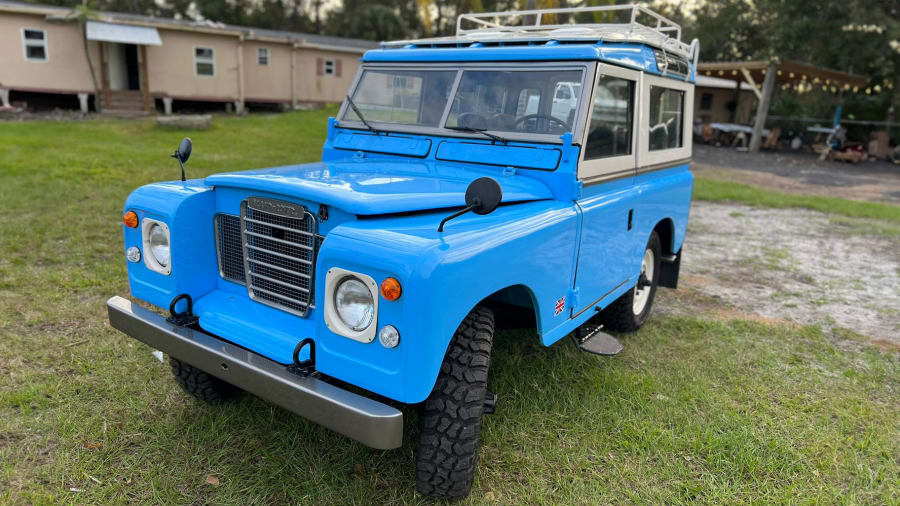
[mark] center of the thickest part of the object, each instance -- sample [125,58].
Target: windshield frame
[586,67]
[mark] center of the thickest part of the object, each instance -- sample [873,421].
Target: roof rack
[529,24]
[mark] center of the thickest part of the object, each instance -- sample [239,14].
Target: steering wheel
[537,117]
[473,120]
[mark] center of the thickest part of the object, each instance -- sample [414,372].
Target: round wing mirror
[483,195]
[184,150]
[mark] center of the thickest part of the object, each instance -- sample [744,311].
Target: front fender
[188,209]
[443,277]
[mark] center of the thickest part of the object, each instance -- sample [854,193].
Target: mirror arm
[177,155]
[457,214]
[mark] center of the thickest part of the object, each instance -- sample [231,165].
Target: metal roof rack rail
[529,24]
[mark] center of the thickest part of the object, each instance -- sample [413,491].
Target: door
[132,71]
[607,170]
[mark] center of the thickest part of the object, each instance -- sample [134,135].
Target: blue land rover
[534,164]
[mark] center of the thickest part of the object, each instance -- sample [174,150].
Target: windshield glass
[519,101]
[406,97]
[541,102]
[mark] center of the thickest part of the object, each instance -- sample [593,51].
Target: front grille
[279,253]
[229,250]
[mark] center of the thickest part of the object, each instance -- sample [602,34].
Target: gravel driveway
[794,265]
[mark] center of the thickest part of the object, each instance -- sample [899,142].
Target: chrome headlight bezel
[333,320]
[150,259]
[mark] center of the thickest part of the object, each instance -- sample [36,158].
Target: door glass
[666,113]
[612,115]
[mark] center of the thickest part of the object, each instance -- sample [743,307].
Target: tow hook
[490,403]
[185,318]
[304,367]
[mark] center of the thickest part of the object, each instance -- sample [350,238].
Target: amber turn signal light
[390,289]
[131,219]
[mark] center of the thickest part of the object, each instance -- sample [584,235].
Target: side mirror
[183,153]
[482,196]
[184,150]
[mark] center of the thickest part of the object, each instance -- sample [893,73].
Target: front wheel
[629,312]
[450,419]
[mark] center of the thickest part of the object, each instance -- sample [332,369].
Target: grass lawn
[696,409]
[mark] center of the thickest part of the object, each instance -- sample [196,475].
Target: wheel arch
[671,260]
[665,229]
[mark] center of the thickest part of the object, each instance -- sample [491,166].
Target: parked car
[526,175]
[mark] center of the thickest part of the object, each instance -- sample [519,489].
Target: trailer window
[35,42]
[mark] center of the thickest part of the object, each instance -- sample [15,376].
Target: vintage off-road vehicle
[537,160]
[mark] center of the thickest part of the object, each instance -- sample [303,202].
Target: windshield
[519,101]
[405,97]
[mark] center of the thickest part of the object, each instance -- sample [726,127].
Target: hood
[380,186]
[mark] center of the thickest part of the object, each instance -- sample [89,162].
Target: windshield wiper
[482,131]
[360,115]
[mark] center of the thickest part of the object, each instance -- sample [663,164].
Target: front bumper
[368,421]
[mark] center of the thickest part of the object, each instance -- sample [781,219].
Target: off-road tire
[201,385]
[619,316]
[450,419]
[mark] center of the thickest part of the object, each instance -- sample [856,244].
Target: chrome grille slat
[277,226]
[279,243]
[282,269]
[255,275]
[273,294]
[282,255]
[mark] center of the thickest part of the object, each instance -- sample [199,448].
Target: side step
[590,338]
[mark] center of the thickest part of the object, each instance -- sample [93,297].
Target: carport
[787,74]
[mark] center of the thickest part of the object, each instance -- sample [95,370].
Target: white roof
[124,34]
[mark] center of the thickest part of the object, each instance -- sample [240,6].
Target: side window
[666,118]
[35,44]
[612,117]
[262,56]
[205,61]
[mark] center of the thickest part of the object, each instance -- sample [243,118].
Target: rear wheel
[450,419]
[200,384]
[629,312]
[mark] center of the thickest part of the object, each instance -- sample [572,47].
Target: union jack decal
[560,305]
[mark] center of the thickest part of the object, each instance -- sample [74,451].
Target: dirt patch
[789,266]
[882,192]
[801,173]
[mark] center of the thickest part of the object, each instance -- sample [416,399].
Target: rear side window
[666,118]
[612,113]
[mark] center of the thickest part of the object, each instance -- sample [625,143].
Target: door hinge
[572,298]
[577,188]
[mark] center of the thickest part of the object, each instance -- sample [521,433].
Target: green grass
[694,410]
[714,190]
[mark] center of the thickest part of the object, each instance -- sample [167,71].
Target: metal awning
[124,34]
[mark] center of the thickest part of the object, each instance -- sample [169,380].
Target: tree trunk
[87,55]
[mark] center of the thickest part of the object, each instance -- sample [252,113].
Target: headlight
[351,304]
[159,244]
[354,304]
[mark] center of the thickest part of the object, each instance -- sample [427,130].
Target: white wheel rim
[642,294]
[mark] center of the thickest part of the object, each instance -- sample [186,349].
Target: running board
[591,339]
